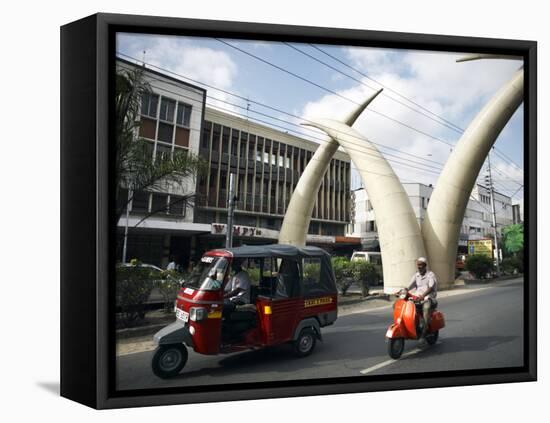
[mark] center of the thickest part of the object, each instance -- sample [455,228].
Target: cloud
[183,57]
[455,91]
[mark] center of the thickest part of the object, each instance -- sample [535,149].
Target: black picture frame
[87,71]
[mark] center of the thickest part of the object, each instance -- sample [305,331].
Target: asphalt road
[484,330]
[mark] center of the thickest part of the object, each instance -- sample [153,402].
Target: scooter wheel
[169,360]
[396,347]
[431,338]
[305,343]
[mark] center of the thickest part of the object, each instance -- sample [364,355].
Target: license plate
[182,315]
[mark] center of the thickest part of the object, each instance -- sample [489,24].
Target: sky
[427,101]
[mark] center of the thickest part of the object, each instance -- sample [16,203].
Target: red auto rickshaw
[293,295]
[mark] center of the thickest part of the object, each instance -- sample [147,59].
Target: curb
[139,331]
[491,280]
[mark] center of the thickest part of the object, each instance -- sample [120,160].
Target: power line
[266,106]
[372,88]
[449,123]
[282,120]
[455,127]
[333,92]
[507,159]
[361,148]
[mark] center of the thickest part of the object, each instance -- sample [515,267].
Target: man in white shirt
[237,291]
[425,284]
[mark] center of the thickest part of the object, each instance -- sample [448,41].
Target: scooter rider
[425,283]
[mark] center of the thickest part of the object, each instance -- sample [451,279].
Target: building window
[183,117]
[206,131]
[163,152]
[166,132]
[140,201]
[147,128]
[216,132]
[159,203]
[177,205]
[167,107]
[149,103]
[225,140]
[182,137]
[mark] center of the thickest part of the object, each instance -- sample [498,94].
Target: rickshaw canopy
[276,250]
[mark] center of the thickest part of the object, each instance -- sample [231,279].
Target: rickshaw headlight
[196,314]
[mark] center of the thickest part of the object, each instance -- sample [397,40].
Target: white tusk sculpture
[298,213]
[441,226]
[398,230]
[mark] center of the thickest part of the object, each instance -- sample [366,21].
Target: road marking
[388,362]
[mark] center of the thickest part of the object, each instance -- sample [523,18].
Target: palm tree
[135,168]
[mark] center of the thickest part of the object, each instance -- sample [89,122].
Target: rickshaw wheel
[396,347]
[305,343]
[169,360]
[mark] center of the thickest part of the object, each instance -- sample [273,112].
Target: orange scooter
[408,323]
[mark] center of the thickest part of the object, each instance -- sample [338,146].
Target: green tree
[135,169]
[513,248]
[513,238]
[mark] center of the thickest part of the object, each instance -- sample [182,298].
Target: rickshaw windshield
[208,274]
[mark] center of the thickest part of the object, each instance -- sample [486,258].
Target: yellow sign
[317,301]
[481,246]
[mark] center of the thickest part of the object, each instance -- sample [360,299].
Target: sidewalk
[140,339]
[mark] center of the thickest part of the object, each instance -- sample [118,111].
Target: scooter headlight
[196,314]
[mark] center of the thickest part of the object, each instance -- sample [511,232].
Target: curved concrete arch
[399,233]
[445,212]
[300,208]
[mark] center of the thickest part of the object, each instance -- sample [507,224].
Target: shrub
[512,264]
[479,265]
[312,271]
[365,273]
[133,287]
[342,272]
[168,286]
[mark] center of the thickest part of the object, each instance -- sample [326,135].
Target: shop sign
[481,246]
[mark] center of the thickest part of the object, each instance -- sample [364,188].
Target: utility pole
[492,192]
[230,211]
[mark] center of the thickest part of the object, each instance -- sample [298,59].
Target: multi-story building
[477,221]
[267,164]
[185,219]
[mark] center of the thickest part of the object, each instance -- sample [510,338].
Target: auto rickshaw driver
[237,291]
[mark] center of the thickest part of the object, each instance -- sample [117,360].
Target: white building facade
[477,223]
